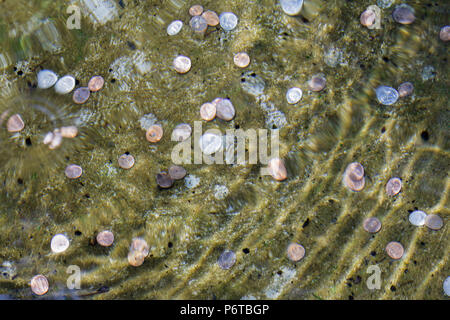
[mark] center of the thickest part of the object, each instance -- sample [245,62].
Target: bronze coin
[164,180]
[177,172]
[372,225]
[395,250]
[295,252]
[154,133]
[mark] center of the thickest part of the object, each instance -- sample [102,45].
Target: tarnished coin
[395,250]
[434,222]
[154,133]
[372,225]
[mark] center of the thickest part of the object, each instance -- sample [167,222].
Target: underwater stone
[65,85]
[46,79]
[386,95]
[174,27]
[228,21]
[291,7]
[252,83]
[220,192]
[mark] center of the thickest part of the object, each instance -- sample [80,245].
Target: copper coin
[295,252]
[434,222]
[73,171]
[15,123]
[208,111]
[444,34]
[182,64]
[317,83]
[403,14]
[212,19]
[367,18]
[277,169]
[96,83]
[126,161]
[355,170]
[105,238]
[177,172]
[354,185]
[69,131]
[164,180]
[81,95]
[405,89]
[154,133]
[196,10]
[395,250]
[372,225]
[39,285]
[241,59]
[139,250]
[393,186]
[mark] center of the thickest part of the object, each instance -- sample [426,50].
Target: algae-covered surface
[221,207]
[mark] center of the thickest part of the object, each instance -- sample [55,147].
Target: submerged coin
[196,10]
[96,83]
[405,89]
[164,180]
[56,139]
[372,225]
[212,19]
[46,79]
[15,123]
[434,222]
[228,21]
[198,24]
[59,243]
[105,238]
[317,83]
[367,18]
[354,176]
[446,286]
[395,250]
[277,169]
[182,64]
[139,250]
[174,27]
[295,252]
[444,34]
[73,171]
[126,161]
[208,111]
[181,132]
[386,95]
[39,285]
[225,110]
[177,172]
[241,59]
[81,95]
[227,259]
[65,84]
[403,14]
[210,143]
[417,218]
[291,7]
[69,131]
[154,133]
[393,186]
[294,95]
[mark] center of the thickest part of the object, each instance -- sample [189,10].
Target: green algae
[188,228]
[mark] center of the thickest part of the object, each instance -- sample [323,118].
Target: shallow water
[225,207]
